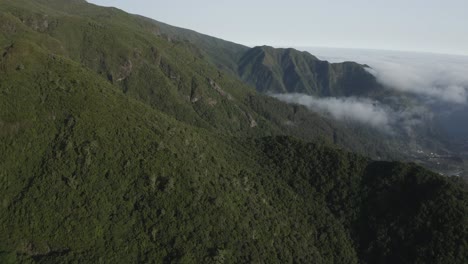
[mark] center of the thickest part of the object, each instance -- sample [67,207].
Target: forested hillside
[291,71]
[121,146]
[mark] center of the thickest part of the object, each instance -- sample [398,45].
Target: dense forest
[125,140]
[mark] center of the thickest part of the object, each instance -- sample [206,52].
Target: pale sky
[439,26]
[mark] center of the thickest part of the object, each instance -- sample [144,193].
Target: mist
[354,109]
[433,77]
[362,110]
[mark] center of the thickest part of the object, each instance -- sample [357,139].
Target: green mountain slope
[272,70]
[89,174]
[93,172]
[169,76]
[291,71]
[172,74]
[396,213]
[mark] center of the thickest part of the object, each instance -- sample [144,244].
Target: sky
[437,26]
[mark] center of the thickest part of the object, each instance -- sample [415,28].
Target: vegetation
[120,146]
[394,212]
[174,71]
[291,71]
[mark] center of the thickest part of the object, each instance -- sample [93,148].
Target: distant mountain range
[127,140]
[291,71]
[278,71]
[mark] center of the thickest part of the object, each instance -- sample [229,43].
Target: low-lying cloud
[364,111]
[435,84]
[438,82]
[437,77]
[360,110]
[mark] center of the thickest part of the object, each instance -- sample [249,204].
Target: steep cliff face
[291,71]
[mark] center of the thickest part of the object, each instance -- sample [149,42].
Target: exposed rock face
[218,89]
[211,101]
[125,70]
[252,121]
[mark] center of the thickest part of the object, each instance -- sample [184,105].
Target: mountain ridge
[178,76]
[117,146]
[293,71]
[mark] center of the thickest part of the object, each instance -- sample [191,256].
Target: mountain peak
[287,70]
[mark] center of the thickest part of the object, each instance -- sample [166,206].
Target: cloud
[435,88]
[437,77]
[365,111]
[360,110]
[423,79]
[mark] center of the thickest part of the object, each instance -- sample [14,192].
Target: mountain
[415,130]
[118,145]
[279,71]
[291,71]
[174,75]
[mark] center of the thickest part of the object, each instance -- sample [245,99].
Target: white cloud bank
[442,78]
[364,111]
[350,109]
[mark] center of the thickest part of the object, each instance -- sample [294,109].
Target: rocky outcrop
[220,91]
